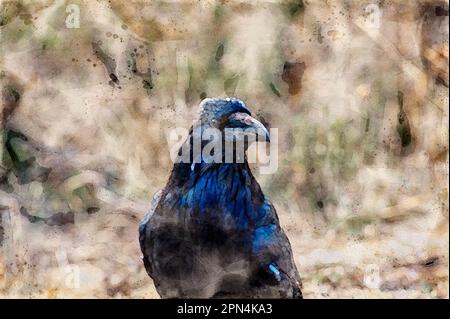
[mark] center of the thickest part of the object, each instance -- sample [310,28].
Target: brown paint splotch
[57,219]
[10,93]
[403,128]
[434,34]
[292,75]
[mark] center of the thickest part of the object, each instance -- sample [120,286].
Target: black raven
[211,232]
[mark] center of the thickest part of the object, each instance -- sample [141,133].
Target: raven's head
[232,118]
[222,133]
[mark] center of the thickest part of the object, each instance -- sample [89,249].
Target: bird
[211,232]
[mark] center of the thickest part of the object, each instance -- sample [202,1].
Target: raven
[211,232]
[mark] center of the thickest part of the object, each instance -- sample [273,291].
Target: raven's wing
[272,251]
[143,228]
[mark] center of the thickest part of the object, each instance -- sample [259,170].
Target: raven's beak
[248,124]
[260,129]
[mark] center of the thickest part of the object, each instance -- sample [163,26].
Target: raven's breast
[221,197]
[192,260]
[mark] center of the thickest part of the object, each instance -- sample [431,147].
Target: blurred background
[357,89]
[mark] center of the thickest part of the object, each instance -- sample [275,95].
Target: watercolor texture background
[357,89]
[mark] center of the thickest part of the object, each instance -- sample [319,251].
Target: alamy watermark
[230,145]
[73,17]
